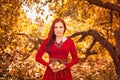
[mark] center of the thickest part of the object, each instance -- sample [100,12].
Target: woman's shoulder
[45,40]
[64,39]
[70,39]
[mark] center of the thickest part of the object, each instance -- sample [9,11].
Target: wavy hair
[51,36]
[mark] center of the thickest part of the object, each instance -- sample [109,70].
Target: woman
[58,48]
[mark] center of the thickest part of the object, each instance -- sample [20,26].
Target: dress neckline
[61,43]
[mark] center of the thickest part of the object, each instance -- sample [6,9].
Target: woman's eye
[58,27]
[55,27]
[61,26]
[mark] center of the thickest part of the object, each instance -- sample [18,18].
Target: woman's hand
[51,66]
[57,68]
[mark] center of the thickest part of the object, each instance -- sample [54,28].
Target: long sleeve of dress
[40,54]
[73,54]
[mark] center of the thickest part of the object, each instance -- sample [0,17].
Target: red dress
[58,53]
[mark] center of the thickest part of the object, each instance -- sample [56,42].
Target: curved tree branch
[113,51]
[98,37]
[36,43]
[88,52]
[109,6]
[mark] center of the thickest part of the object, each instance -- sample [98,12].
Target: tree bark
[113,51]
[109,6]
[35,41]
[117,61]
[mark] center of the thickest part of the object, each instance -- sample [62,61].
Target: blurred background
[92,24]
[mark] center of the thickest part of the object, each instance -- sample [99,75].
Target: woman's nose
[58,28]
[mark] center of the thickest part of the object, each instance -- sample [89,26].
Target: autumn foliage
[92,24]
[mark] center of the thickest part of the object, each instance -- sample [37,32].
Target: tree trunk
[117,50]
[113,51]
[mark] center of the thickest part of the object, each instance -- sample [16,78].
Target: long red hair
[51,36]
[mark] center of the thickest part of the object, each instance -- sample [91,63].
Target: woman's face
[59,29]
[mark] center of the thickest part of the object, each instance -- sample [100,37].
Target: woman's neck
[59,38]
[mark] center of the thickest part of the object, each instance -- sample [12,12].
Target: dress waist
[62,61]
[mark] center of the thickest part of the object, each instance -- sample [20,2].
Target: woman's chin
[59,35]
